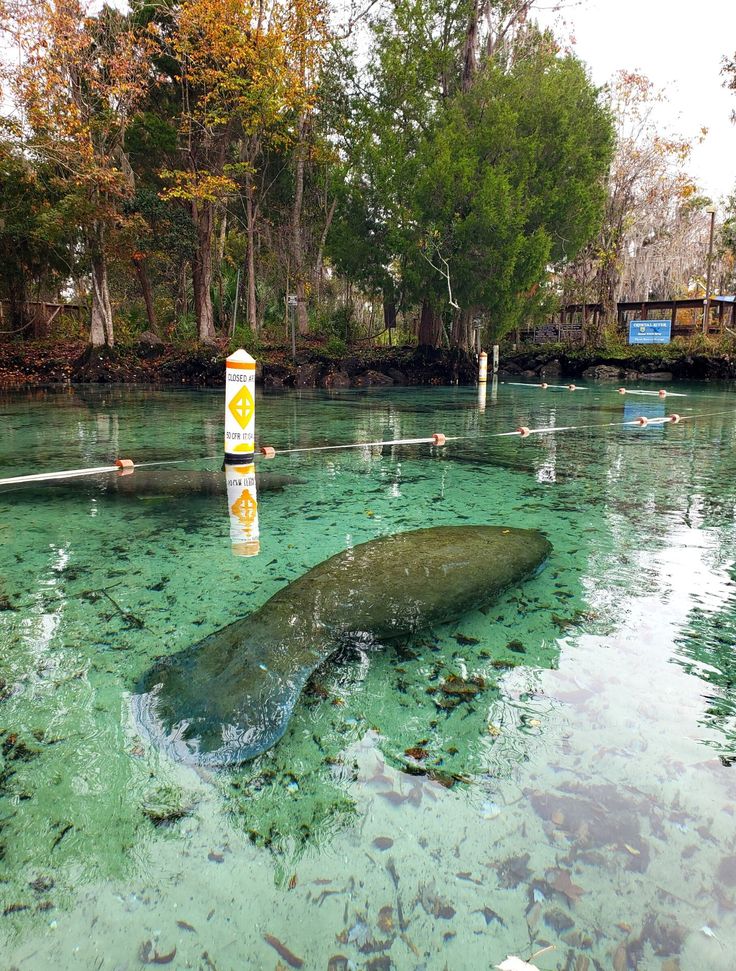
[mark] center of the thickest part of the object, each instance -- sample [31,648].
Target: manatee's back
[399,583]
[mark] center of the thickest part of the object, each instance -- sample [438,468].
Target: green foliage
[422,179]
[335,348]
[36,238]
[471,193]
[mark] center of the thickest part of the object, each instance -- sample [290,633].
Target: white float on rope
[240,407]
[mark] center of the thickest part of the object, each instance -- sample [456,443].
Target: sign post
[240,408]
[292,301]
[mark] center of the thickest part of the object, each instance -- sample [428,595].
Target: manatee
[146,482]
[229,697]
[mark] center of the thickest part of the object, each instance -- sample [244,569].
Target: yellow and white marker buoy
[482,367]
[242,504]
[240,408]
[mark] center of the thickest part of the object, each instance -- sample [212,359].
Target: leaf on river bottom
[283,951]
[562,883]
[147,954]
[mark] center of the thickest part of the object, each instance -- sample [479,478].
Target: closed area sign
[650,331]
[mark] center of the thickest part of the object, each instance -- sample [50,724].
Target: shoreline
[48,363]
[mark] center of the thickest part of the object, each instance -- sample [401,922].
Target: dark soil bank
[634,364]
[73,362]
[151,361]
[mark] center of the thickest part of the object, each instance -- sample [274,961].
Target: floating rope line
[642,422]
[126,466]
[268,452]
[556,387]
[662,393]
[122,465]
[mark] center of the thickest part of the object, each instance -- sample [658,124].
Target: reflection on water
[555,770]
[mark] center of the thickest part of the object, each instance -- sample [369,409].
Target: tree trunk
[101,329]
[220,259]
[297,243]
[470,48]
[389,313]
[428,326]
[321,250]
[202,272]
[250,217]
[462,329]
[142,273]
[18,306]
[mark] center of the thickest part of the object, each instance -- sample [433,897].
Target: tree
[469,187]
[653,216]
[242,69]
[36,241]
[729,71]
[77,85]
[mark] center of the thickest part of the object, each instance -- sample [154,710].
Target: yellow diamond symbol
[245,509]
[242,406]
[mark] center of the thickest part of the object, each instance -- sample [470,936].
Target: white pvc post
[242,504]
[482,367]
[495,358]
[240,407]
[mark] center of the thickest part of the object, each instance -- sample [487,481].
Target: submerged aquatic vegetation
[166,804]
[583,751]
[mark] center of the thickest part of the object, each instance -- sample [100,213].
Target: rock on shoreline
[36,364]
[152,361]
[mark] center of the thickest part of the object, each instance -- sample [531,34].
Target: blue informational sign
[650,331]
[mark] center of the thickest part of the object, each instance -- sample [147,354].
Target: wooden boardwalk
[686,317]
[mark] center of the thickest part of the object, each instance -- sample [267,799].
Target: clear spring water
[579,797]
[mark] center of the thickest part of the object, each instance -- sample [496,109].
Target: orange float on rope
[662,393]
[523,432]
[674,419]
[622,390]
[438,438]
[571,387]
[642,421]
[268,452]
[126,466]
[545,386]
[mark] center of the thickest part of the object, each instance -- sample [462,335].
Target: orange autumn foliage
[247,69]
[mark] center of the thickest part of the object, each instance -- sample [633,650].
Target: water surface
[579,794]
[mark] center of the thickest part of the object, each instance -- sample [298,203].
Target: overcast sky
[679,48]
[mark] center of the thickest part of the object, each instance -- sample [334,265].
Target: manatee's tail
[222,702]
[184,741]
